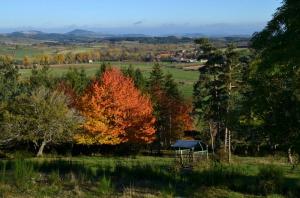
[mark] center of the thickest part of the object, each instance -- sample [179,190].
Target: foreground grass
[145,177]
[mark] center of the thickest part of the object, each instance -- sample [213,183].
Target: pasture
[185,79]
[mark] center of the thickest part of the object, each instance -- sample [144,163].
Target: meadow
[185,79]
[146,176]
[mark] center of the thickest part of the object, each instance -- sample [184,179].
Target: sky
[137,16]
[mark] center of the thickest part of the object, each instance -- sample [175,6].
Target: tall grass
[23,173]
[270,179]
[105,186]
[3,171]
[108,177]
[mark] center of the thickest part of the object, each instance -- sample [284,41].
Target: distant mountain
[79,32]
[85,36]
[74,35]
[131,35]
[25,33]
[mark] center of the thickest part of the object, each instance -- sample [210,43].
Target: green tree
[41,77]
[42,118]
[77,80]
[9,75]
[210,95]
[156,79]
[234,72]
[9,89]
[103,67]
[139,79]
[136,75]
[275,78]
[171,87]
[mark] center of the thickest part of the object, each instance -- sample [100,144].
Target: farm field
[141,176]
[185,79]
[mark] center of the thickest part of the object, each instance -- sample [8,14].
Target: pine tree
[139,79]
[76,80]
[210,95]
[103,67]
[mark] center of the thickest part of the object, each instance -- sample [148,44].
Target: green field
[185,79]
[141,176]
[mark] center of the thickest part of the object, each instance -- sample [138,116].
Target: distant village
[182,56]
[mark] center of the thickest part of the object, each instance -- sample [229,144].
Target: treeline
[253,102]
[153,40]
[84,57]
[111,108]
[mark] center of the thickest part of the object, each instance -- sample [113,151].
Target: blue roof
[188,144]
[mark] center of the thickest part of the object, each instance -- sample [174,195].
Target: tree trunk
[290,156]
[229,146]
[212,138]
[225,140]
[41,149]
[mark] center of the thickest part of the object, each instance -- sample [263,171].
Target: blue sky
[134,15]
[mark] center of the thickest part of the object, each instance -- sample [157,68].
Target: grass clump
[23,173]
[105,186]
[270,179]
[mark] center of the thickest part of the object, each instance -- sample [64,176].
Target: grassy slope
[138,177]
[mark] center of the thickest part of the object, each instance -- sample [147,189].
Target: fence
[187,157]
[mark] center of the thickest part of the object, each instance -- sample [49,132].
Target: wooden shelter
[188,152]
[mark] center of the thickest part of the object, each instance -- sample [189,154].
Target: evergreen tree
[156,79]
[136,75]
[41,77]
[171,87]
[103,67]
[139,79]
[210,95]
[77,80]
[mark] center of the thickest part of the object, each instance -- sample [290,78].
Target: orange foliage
[178,113]
[115,112]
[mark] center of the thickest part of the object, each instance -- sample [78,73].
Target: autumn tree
[26,61]
[44,60]
[59,59]
[69,58]
[115,112]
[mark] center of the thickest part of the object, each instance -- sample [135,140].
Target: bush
[270,179]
